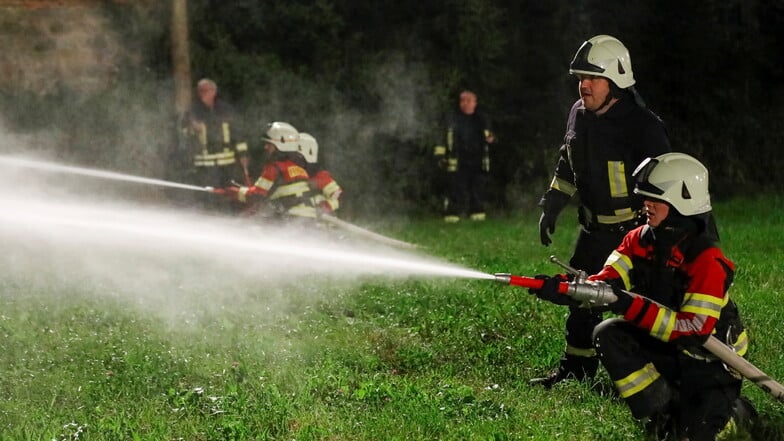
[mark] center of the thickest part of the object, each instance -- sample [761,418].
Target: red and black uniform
[655,356]
[283,186]
[326,191]
[597,159]
[467,161]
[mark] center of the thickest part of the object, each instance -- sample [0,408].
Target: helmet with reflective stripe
[604,56]
[283,136]
[676,178]
[308,146]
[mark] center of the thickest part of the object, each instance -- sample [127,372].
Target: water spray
[57,168]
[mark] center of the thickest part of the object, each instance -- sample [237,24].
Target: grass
[324,359]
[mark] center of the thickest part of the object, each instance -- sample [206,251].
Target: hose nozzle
[505,278]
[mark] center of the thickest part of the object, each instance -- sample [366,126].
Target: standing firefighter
[608,133]
[466,160]
[282,190]
[326,191]
[654,355]
[219,151]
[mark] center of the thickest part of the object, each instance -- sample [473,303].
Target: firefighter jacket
[466,146]
[683,286]
[283,184]
[326,191]
[215,135]
[597,159]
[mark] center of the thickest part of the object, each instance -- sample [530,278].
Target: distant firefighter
[282,190]
[465,157]
[326,191]
[218,149]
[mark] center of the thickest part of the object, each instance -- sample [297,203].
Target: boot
[572,367]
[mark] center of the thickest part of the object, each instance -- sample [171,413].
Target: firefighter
[326,191]
[608,133]
[282,190]
[219,150]
[466,159]
[654,355]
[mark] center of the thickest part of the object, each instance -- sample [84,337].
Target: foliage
[371,81]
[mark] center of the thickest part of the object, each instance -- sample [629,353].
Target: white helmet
[308,147]
[604,56]
[283,135]
[676,178]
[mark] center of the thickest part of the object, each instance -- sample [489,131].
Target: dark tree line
[371,79]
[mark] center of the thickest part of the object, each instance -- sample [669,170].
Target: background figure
[326,191]
[609,132]
[466,159]
[217,145]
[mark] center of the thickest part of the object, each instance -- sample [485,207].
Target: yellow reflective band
[663,325]
[451,164]
[302,210]
[702,304]
[563,186]
[264,184]
[741,345]
[242,194]
[299,188]
[637,380]
[439,150]
[242,147]
[450,139]
[203,135]
[331,188]
[226,133]
[580,352]
[478,216]
[206,159]
[616,172]
[622,264]
[622,215]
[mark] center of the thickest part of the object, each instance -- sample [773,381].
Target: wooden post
[181,61]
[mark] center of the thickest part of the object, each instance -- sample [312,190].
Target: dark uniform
[599,155]
[216,148]
[655,357]
[467,162]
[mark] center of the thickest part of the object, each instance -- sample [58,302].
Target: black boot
[572,367]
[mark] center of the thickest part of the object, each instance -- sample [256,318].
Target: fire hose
[595,294]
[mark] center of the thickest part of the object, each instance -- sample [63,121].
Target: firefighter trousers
[590,252]
[657,378]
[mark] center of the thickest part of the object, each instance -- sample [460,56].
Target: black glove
[549,291]
[546,224]
[623,303]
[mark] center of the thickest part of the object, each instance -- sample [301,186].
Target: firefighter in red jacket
[283,188]
[654,355]
[326,191]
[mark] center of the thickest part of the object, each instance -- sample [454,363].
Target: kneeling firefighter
[654,355]
[326,191]
[282,189]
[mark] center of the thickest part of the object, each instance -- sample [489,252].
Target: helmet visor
[642,174]
[580,61]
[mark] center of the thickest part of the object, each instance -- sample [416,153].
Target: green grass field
[319,358]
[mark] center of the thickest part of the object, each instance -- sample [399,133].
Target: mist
[89,96]
[77,237]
